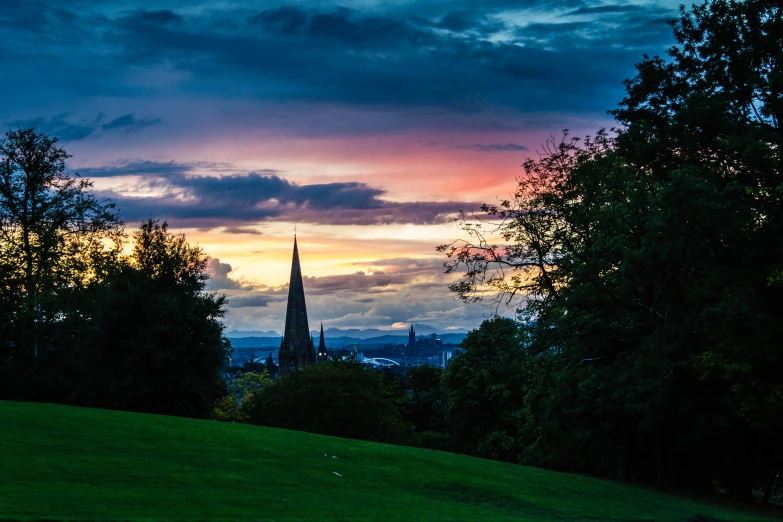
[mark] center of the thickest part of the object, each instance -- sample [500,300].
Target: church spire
[296,348]
[322,345]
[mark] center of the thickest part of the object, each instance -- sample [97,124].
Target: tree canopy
[83,323]
[645,265]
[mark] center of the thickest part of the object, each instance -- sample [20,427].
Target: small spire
[321,342]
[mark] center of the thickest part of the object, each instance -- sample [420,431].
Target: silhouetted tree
[54,238]
[270,366]
[154,342]
[646,269]
[341,398]
[253,366]
[427,407]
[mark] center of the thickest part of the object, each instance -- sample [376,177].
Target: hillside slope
[59,462]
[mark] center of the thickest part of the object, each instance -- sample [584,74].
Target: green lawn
[64,463]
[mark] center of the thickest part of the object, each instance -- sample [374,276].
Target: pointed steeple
[296,348]
[322,345]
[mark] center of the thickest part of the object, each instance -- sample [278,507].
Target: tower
[411,341]
[296,348]
[322,355]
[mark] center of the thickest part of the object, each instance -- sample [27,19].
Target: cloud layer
[370,124]
[463,57]
[232,200]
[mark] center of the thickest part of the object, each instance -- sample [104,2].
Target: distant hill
[237,334]
[338,337]
[61,463]
[355,333]
[337,342]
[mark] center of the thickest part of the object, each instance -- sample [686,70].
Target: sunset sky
[366,124]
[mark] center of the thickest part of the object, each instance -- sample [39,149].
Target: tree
[484,387]
[427,408]
[645,268]
[253,366]
[154,341]
[54,237]
[239,393]
[270,367]
[711,116]
[340,398]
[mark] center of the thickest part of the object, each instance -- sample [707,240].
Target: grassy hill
[64,463]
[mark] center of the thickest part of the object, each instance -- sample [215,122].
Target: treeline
[81,321]
[647,264]
[503,398]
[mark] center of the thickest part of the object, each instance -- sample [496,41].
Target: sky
[367,125]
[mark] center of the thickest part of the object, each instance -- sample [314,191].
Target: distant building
[443,358]
[296,348]
[349,351]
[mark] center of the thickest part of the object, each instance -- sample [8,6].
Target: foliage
[337,397]
[253,366]
[484,387]
[55,237]
[645,269]
[270,367]
[426,410]
[154,342]
[79,321]
[232,405]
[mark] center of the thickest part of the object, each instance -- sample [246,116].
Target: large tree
[153,340]
[54,236]
[646,266]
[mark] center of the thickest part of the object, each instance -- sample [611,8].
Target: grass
[66,463]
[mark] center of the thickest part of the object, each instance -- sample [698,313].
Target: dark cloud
[232,201]
[254,189]
[284,20]
[162,169]
[497,147]
[128,122]
[160,16]
[59,126]
[470,21]
[360,282]
[191,213]
[242,230]
[63,127]
[200,214]
[349,56]
[139,168]
[253,300]
[422,54]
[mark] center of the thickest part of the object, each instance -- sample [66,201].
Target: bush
[340,398]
